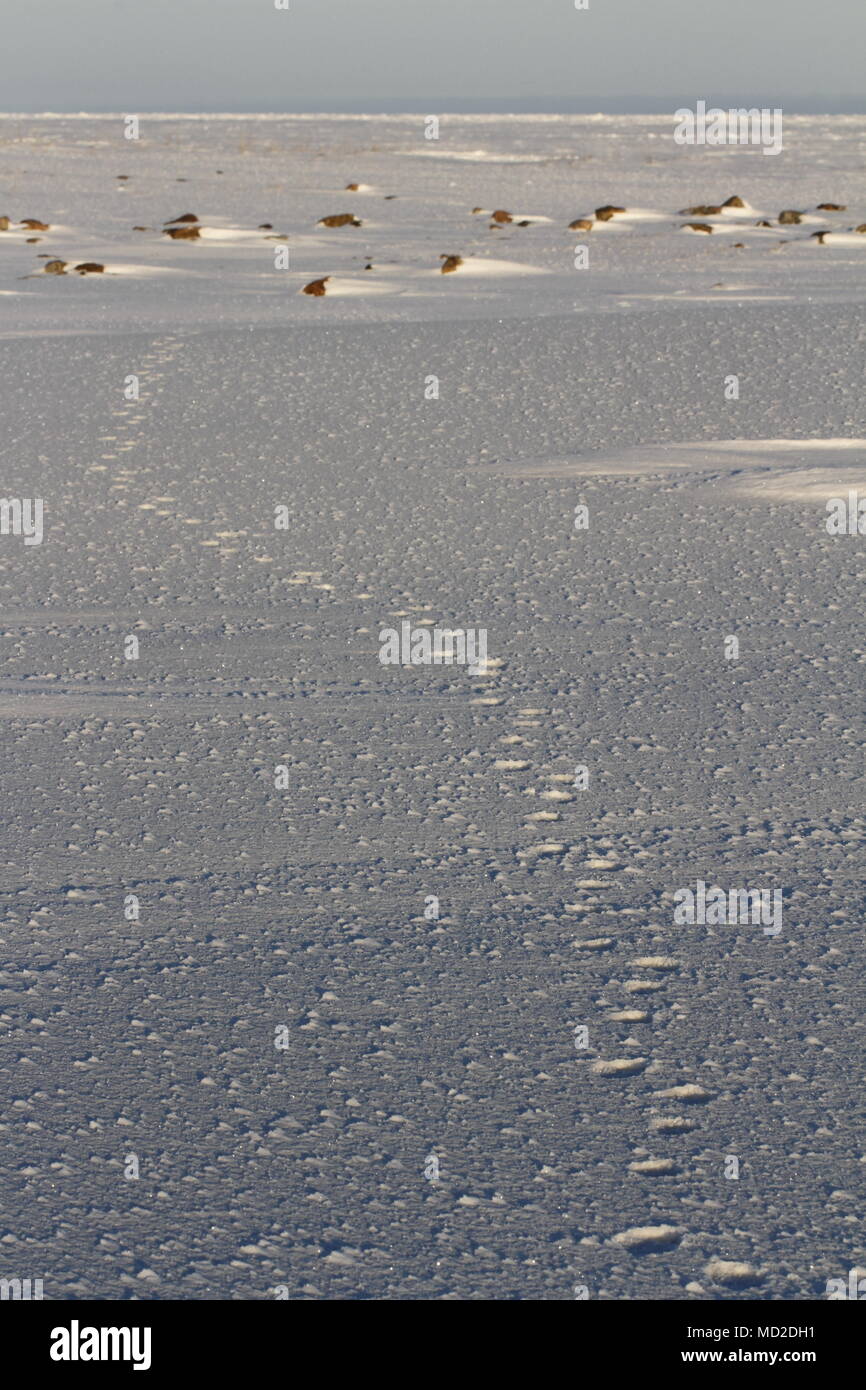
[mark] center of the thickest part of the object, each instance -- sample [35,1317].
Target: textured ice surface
[303,909]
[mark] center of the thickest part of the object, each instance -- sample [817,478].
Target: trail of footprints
[646,976]
[127,435]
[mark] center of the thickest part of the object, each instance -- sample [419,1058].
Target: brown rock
[450,263]
[351,188]
[500,215]
[789,217]
[141,229]
[55,267]
[475,210]
[182,233]
[339,219]
[33,240]
[525,223]
[832,207]
[819,237]
[861,228]
[89,268]
[317,287]
[698,226]
[5,224]
[34,224]
[734,202]
[266,226]
[580,224]
[607,212]
[184,217]
[763,223]
[702,210]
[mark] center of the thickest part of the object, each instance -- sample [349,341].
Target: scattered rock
[55,267]
[476,210]
[266,226]
[352,187]
[649,1237]
[698,226]
[184,217]
[702,210]
[525,223]
[734,202]
[543,851]
[653,1166]
[142,229]
[763,223]
[33,240]
[317,287]
[790,217]
[450,263]
[339,219]
[182,233]
[732,1272]
[124,177]
[5,224]
[500,215]
[607,212]
[832,207]
[35,225]
[622,1066]
[89,268]
[690,1093]
[580,224]
[819,237]
[861,228]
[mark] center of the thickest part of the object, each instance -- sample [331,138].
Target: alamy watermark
[22,516]
[737,126]
[20,1290]
[434,646]
[847,518]
[739,906]
[855,1287]
[77,1343]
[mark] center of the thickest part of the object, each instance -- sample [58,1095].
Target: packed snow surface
[363,980]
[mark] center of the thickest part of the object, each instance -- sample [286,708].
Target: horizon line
[666,113]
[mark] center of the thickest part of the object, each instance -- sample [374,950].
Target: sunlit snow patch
[754,457]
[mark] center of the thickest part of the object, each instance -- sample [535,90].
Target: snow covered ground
[328,1088]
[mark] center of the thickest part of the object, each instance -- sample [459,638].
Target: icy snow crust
[303,909]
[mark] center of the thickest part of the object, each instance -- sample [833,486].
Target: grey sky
[430,55]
